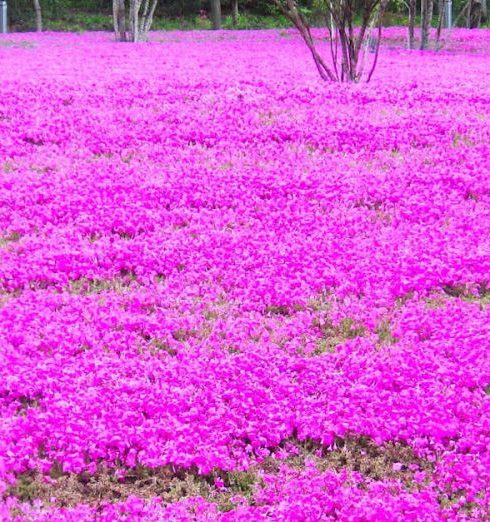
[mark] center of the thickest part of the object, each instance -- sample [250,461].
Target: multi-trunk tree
[348,45]
[472,13]
[426,15]
[133,20]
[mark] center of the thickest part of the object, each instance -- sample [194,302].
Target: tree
[475,12]
[347,47]
[119,15]
[39,16]
[412,12]
[140,16]
[234,11]
[216,14]
[426,12]
[444,18]
[426,16]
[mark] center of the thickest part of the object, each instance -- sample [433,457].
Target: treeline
[22,15]
[191,14]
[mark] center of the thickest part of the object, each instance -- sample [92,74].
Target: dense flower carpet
[230,291]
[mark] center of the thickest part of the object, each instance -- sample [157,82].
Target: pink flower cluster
[208,257]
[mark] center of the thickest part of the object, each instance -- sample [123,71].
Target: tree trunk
[147,19]
[141,14]
[412,11]
[234,11]
[135,7]
[216,13]
[474,14]
[463,13]
[39,16]
[430,16]
[119,15]
[115,6]
[427,7]
[347,65]
[441,8]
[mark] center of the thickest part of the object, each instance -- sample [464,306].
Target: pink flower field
[231,291]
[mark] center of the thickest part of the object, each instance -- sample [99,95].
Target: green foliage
[241,482]
[26,488]
[79,22]
[187,23]
[385,335]
[334,335]
[253,21]
[96,15]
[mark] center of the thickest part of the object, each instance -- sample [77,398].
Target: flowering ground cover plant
[235,292]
